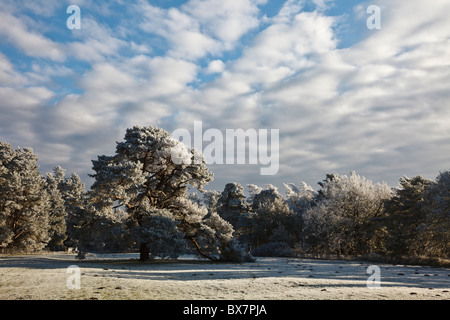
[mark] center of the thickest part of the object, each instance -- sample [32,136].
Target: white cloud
[8,75]
[380,106]
[322,4]
[180,30]
[226,21]
[286,47]
[216,66]
[97,42]
[31,42]
[199,28]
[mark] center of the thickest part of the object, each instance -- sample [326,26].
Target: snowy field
[113,277]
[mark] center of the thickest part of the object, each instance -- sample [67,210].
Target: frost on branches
[346,207]
[139,200]
[24,222]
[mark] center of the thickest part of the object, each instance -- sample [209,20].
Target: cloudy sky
[342,96]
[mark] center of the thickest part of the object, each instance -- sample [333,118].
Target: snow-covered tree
[299,199]
[24,204]
[146,180]
[405,214]
[57,209]
[73,192]
[273,224]
[252,191]
[434,231]
[210,199]
[231,204]
[338,223]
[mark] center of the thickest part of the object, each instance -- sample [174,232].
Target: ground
[123,277]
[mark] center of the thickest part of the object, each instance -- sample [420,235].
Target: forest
[143,201]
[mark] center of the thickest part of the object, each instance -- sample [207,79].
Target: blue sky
[343,97]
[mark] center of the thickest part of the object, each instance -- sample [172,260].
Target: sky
[343,96]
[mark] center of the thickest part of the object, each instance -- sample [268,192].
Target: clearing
[123,277]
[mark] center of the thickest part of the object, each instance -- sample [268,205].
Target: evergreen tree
[211,199]
[273,224]
[405,214]
[146,180]
[57,209]
[434,231]
[24,204]
[300,199]
[73,191]
[231,204]
[346,206]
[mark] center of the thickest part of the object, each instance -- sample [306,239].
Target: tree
[210,199]
[146,181]
[24,221]
[73,191]
[231,204]
[273,224]
[434,231]
[345,209]
[299,199]
[405,214]
[57,209]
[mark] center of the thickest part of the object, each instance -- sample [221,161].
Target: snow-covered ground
[112,277]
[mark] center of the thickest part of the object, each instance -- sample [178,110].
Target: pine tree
[299,199]
[231,204]
[146,181]
[270,212]
[73,191]
[434,231]
[24,204]
[346,206]
[405,214]
[57,209]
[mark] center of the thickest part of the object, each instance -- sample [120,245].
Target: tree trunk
[144,252]
[200,251]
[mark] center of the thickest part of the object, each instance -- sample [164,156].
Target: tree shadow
[300,272]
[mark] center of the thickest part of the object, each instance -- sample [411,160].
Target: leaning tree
[141,193]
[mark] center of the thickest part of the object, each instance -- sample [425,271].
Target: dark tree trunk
[200,251]
[144,252]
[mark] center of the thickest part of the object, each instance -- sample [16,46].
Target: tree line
[142,201]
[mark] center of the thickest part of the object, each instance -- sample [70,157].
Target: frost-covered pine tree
[231,204]
[24,205]
[210,199]
[274,228]
[146,181]
[405,214]
[57,209]
[299,199]
[346,206]
[73,191]
[434,232]
[252,191]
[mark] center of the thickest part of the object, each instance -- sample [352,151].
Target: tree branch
[199,250]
